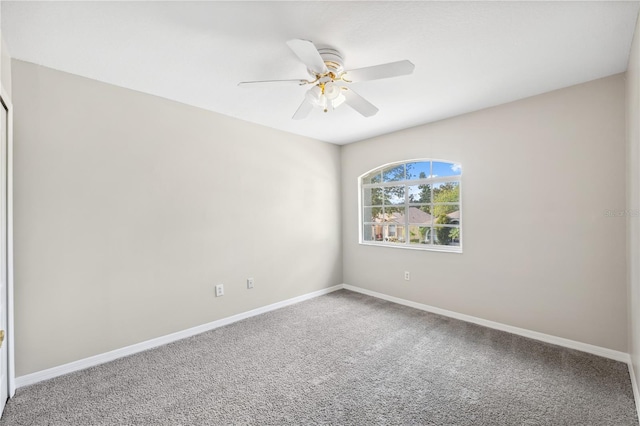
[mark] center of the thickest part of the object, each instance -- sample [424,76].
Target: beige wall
[129,209]
[539,252]
[5,67]
[633,199]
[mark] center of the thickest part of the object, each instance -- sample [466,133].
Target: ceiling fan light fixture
[316,97]
[331,91]
[339,100]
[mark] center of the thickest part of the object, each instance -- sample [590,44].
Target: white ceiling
[468,55]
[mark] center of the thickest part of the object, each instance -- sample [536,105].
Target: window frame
[406,205]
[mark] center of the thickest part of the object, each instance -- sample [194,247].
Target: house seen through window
[413,204]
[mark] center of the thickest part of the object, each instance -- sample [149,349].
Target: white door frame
[11,377]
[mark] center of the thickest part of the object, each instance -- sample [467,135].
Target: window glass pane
[393,173]
[394,195]
[372,214]
[373,177]
[394,214]
[446,169]
[446,235]
[418,170]
[420,215]
[446,214]
[419,234]
[446,192]
[377,232]
[419,193]
[394,234]
[454,216]
[454,234]
[368,232]
[372,196]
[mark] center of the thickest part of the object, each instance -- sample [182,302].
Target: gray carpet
[343,358]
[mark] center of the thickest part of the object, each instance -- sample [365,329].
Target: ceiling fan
[329,80]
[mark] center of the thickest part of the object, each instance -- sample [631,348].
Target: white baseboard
[560,341]
[634,385]
[71,367]
[82,364]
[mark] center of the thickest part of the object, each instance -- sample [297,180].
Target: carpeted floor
[343,358]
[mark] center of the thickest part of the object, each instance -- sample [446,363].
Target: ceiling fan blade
[273,83]
[359,103]
[377,72]
[308,54]
[303,110]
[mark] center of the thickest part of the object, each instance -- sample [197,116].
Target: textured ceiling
[468,55]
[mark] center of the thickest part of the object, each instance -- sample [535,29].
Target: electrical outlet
[407,276]
[219,290]
[249,283]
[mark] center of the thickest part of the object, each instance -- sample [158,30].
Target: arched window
[413,204]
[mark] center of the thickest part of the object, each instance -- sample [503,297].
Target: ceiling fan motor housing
[333,60]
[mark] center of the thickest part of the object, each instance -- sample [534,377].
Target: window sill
[443,249]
